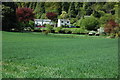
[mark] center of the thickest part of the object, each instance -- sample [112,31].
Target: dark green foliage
[109,7]
[31,24]
[65,6]
[73,20]
[49,28]
[9,19]
[89,23]
[58,29]
[103,20]
[77,9]
[71,11]
[39,10]
[33,5]
[75,30]
[53,7]
[96,14]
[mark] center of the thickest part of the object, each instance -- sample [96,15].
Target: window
[67,21]
[61,21]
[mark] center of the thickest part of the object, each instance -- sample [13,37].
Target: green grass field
[35,55]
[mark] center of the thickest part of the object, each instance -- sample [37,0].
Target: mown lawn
[35,55]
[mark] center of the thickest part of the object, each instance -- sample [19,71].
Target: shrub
[31,24]
[75,30]
[65,26]
[73,20]
[49,28]
[67,31]
[20,26]
[89,23]
[112,28]
[79,31]
[43,29]
[103,20]
[46,32]
[58,29]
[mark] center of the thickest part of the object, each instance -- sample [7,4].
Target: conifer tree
[71,11]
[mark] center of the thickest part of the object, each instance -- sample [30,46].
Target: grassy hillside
[43,56]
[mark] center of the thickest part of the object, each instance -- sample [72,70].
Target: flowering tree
[24,14]
[112,27]
[51,15]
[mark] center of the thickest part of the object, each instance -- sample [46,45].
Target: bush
[74,30]
[73,20]
[58,29]
[65,26]
[46,32]
[79,31]
[67,31]
[49,28]
[31,24]
[103,20]
[43,29]
[89,23]
[20,26]
[112,28]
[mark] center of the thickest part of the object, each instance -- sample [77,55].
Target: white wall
[65,21]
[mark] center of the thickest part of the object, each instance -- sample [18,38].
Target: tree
[82,10]
[52,16]
[23,4]
[112,28]
[89,23]
[64,15]
[24,15]
[109,7]
[77,9]
[65,6]
[71,11]
[40,9]
[32,5]
[103,20]
[9,20]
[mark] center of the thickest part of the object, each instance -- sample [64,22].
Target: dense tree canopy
[53,10]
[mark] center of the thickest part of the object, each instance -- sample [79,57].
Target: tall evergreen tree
[59,10]
[77,9]
[71,11]
[40,9]
[65,6]
[32,5]
[9,19]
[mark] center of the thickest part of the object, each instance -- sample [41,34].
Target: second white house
[61,22]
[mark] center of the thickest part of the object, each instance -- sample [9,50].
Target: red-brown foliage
[111,26]
[51,15]
[24,14]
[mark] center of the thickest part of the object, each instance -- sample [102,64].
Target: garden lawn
[35,55]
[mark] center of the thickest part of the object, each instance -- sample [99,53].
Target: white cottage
[63,22]
[41,22]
